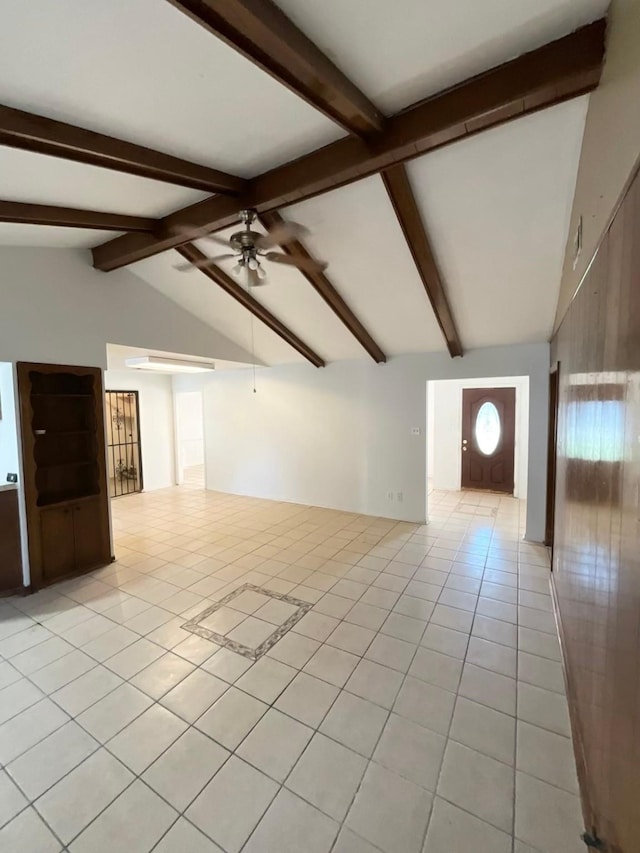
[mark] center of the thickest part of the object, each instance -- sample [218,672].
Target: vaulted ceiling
[458,244]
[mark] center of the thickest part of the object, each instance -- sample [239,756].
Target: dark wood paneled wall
[596,566]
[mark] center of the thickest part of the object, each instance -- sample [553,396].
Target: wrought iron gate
[124,459]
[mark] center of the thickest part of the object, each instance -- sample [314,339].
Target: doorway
[190,469]
[488,439]
[124,457]
[444,430]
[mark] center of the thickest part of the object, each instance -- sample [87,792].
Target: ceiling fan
[249,248]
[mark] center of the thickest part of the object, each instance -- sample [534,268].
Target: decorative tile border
[194,626]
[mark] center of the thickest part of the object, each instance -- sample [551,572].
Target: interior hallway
[417,704]
[194,477]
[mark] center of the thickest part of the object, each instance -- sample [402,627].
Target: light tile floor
[417,707]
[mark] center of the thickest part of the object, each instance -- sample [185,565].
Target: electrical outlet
[399,497]
[415,430]
[12,478]
[389,496]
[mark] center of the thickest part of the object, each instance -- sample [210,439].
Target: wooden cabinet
[72,538]
[88,532]
[56,535]
[64,470]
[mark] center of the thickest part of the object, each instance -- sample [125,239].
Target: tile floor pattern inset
[256,618]
[417,707]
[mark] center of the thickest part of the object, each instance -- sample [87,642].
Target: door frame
[177,433]
[443,437]
[108,446]
[552,456]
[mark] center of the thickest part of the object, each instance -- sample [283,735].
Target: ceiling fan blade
[202,264]
[226,257]
[282,234]
[199,234]
[302,263]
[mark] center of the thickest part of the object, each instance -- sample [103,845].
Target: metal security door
[124,458]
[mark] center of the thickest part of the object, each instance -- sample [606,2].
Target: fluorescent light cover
[170,365]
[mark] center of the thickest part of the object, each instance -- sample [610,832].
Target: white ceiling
[19,234]
[289,296]
[356,230]
[401,52]
[29,177]
[369,264]
[141,70]
[209,303]
[497,208]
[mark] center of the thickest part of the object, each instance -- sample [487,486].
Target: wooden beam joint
[561,70]
[263,34]
[325,289]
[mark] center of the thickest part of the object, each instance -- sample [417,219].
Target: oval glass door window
[487,428]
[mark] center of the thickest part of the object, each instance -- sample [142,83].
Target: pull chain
[253,349]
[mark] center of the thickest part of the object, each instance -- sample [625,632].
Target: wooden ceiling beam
[215,274]
[264,35]
[399,189]
[31,132]
[557,72]
[322,286]
[71,217]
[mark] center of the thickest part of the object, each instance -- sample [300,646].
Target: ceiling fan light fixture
[237,269]
[253,264]
[261,273]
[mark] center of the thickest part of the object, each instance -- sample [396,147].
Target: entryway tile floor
[396,688]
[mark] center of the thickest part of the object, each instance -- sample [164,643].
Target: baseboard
[576,728]
[18,590]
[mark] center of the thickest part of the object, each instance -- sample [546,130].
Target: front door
[488,438]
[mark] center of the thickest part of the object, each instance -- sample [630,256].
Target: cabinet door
[89,534]
[58,547]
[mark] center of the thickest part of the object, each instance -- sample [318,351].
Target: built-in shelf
[64,430]
[55,498]
[65,480]
[76,464]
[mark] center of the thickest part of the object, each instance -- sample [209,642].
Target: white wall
[9,454]
[431,423]
[56,308]
[444,432]
[341,436]
[189,422]
[155,394]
